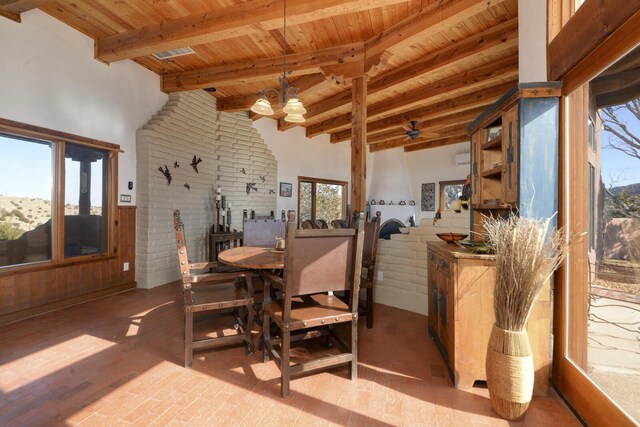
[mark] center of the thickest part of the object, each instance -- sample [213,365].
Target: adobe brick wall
[189,125]
[403,262]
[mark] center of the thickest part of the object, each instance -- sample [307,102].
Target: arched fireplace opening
[389,227]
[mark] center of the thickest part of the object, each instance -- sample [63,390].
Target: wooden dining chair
[369,252]
[308,224]
[316,262]
[210,292]
[263,232]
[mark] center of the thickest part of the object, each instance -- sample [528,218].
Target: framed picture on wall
[285,189]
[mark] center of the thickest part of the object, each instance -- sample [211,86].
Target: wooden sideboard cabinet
[461,315]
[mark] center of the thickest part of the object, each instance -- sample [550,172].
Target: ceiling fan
[411,132]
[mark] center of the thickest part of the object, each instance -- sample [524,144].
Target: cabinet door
[476,140]
[433,303]
[510,157]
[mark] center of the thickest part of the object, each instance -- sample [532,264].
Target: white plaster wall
[298,155]
[434,165]
[49,78]
[391,179]
[532,40]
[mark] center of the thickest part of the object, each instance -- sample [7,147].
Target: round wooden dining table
[253,258]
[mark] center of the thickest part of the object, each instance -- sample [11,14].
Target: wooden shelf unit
[517,168]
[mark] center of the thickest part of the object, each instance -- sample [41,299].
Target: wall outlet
[380,276]
[125,266]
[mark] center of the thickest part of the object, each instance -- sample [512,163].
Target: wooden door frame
[586,397]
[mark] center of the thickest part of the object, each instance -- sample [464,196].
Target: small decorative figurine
[402,203]
[373,202]
[381,202]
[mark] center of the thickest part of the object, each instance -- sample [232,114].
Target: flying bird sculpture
[166,173]
[195,162]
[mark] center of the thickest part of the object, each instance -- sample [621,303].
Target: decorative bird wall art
[175,164]
[243,171]
[187,186]
[272,191]
[195,162]
[166,173]
[262,178]
[251,186]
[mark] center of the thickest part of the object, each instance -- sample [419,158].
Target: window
[26,171]
[321,199]
[38,223]
[450,193]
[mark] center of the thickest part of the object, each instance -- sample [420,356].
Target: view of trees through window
[320,199]
[609,353]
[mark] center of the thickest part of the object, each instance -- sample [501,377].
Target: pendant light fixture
[287,95]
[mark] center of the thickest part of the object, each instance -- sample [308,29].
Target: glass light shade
[294,106]
[262,106]
[294,118]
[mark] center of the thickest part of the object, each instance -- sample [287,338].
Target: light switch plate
[125,266]
[126,198]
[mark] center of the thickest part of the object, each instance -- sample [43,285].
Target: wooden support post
[358,143]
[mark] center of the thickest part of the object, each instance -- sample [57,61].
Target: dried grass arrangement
[528,251]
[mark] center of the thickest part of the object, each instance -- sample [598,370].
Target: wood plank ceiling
[438,62]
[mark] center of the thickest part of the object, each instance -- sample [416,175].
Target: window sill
[51,265]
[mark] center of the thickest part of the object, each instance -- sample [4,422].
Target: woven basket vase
[510,372]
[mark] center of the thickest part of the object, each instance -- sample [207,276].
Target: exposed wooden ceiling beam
[304,84]
[506,68]
[437,143]
[225,23]
[431,128]
[496,39]
[256,70]
[435,17]
[13,8]
[476,99]
[432,142]
[463,102]
[385,127]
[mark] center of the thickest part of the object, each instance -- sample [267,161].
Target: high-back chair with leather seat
[316,262]
[263,232]
[207,292]
[369,252]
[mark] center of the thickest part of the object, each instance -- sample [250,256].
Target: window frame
[443,184]
[314,182]
[59,140]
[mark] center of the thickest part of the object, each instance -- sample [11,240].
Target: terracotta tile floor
[118,361]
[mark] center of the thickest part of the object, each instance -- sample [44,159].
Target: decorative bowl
[477,247]
[451,238]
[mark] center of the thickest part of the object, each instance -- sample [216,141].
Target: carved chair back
[263,232]
[322,260]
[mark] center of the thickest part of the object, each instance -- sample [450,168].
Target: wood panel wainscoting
[29,292]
